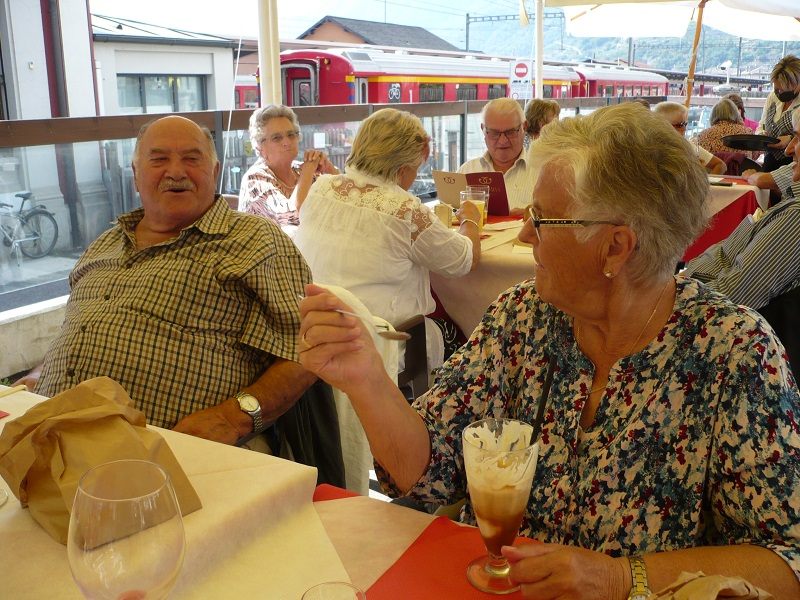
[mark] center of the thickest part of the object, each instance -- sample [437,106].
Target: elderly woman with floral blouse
[725,120]
[670,434]
[276,185]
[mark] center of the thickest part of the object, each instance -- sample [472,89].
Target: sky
[445,18]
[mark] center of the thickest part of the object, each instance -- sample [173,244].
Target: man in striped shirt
[760,260]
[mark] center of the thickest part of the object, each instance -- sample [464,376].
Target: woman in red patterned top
[276,185]
[725,120]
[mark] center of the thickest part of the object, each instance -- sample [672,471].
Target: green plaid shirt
[186,323]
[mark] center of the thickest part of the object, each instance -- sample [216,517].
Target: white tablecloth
[466,298]
[257,535]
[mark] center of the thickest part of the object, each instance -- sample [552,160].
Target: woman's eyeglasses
[278,138]
[538,222]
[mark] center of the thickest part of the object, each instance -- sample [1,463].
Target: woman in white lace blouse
[364,231]
[276,185]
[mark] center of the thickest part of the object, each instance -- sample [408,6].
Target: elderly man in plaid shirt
[190,306]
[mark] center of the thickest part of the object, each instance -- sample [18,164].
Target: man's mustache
[176,185]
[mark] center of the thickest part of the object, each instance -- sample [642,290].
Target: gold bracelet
[470,221]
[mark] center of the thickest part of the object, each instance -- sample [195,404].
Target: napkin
[698,586]
[45,452]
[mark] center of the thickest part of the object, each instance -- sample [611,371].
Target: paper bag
[44,453]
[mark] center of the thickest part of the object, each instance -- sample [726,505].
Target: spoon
[398,336]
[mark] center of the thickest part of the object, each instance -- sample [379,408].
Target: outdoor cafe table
[502,265]
[259,535]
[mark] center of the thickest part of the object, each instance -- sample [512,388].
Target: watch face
[248,403]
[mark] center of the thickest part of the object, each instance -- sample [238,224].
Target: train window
[637,91]
[250,98]
[497,91]
[609,91]
[431,92]
[547,91]
[302,92]
[629,90]
[465,91]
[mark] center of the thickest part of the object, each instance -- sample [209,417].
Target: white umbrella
[759,19]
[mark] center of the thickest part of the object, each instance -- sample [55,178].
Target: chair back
[737,162]
[783,314]
[414,373]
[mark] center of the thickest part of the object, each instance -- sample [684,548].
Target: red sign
[521,69]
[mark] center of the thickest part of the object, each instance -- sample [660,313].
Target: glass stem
[497,566]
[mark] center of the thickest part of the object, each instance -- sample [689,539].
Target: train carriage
[602,81]
[359,76]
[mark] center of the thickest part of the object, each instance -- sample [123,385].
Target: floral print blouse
[263,194]
[695,441]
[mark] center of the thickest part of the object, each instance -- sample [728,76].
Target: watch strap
[639,587]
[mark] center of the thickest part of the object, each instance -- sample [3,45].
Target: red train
[360,76]
[365,75]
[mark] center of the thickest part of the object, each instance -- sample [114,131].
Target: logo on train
[394,92]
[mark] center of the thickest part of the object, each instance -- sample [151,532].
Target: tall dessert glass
[500,461]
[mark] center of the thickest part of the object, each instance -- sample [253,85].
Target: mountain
[509,39]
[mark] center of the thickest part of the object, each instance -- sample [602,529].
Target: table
[728,205]
[259,535]
[466,298]
[724,195]
[257,521]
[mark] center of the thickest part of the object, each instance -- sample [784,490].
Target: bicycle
[32,231]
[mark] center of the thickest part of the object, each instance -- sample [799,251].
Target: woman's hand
[550,571]
[335,347]
[468,211]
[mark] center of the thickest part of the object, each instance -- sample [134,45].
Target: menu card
[449,184]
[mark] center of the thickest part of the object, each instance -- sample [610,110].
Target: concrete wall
[26,333]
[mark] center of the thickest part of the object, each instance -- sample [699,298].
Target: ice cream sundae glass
[500,461]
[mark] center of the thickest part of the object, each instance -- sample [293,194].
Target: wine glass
[126,539]
[500,461]
[334,590]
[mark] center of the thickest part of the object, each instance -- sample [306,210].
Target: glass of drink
[479,202]
[482,190]
[126,538]
[500,461]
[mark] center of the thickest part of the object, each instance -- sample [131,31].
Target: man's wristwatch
[639,589]
[249,404]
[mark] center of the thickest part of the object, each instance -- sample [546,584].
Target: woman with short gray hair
[277,184]
[725,120]
[666,415]
[363,229]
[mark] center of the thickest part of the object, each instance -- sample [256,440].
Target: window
[140,94]
[497,91]
[608,91]
[431,92]
[466,91]
[547,91]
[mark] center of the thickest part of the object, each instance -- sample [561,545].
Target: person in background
[276,185]
[363,230]
[725,120]
[776,120]
[539,113]
[678,116]
[780,182]
[669,436]
[503,126]
[760,260]
[190,306]
[737,100]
